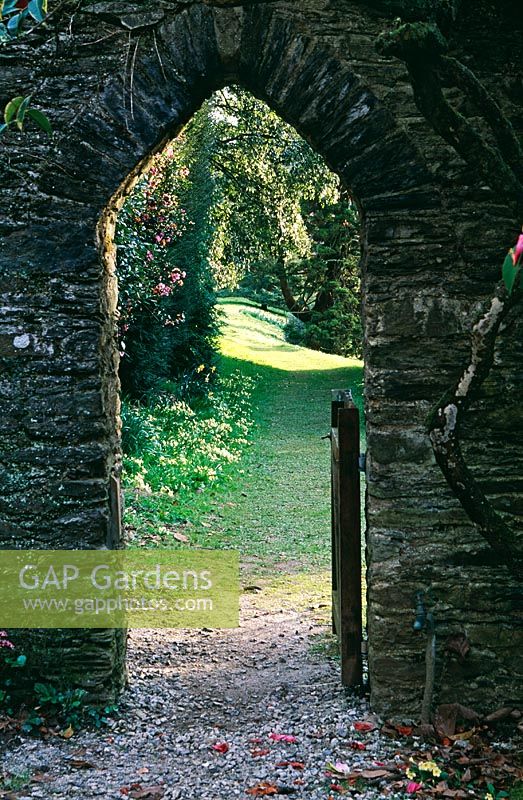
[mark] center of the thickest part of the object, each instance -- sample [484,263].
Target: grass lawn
[274,505]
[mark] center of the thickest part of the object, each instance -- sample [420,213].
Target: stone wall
[118,80]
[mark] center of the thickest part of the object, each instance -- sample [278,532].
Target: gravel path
[191,690]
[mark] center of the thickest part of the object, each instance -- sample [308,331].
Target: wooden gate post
[346,535]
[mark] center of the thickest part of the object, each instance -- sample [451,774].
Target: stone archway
[142,77]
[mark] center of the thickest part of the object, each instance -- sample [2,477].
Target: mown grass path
[276,511]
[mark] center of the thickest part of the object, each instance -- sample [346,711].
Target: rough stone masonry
[117,79]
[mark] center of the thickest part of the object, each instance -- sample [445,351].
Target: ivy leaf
[509,272]
[20,114]
[37,9]
[40,119]
[12,108]
[14,24]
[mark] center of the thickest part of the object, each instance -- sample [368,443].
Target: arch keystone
[228,25]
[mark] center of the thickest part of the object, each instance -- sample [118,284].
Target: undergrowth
[176,449]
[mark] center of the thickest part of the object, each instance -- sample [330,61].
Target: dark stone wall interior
[116,82]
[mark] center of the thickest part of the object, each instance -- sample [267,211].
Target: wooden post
[346,536]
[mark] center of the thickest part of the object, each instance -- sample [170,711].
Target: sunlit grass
[273,505]
[259,341]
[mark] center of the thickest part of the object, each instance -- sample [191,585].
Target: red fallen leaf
[256,740]
[260,752]
[299,782]
[335,787]
[220,747]
[404,730]
[282,737]
[357,745]
[293,764]
[364,726]
[263,789]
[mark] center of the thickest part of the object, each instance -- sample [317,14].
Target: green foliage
[167,324]
[336,329]
[512,265]
[63,708]
[284,231]
[172,446]
[295,330]
[14,13]
[9,661]
[18,110]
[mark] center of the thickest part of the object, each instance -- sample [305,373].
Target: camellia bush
[167,325]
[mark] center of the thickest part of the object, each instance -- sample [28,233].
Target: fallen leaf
[447,716]
[256,740]
[67,733]
[79,763]
[339,767]
[458,644]
[293,764]
[464,736]
[180,537]
[299,782]
[148,793]
[375,773]
[263,789]
[364,726]
[282,737]
[404,730]
[260,752]
[335,787]
[357,745]
[499,715]
[220,747]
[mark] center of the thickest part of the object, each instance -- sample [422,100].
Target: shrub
[171,446]
[295,330]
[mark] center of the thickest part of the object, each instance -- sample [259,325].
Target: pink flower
[162,289]
[518,250]
[149,256]
[413,787]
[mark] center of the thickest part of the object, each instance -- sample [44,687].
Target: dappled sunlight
[258,337]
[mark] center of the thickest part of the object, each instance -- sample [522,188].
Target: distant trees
[238,200]
[285,229]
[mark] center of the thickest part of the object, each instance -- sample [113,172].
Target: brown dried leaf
[148,793]
[80,763]
[375,773]
[447,716]
[500,714]
[459,644]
